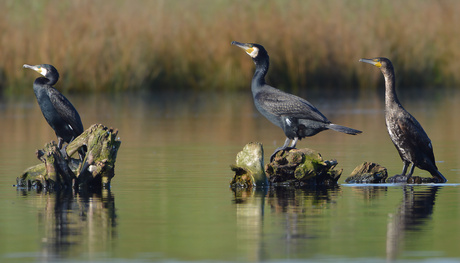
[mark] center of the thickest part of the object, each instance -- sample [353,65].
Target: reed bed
[185,44]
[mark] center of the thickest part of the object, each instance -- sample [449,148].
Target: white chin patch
[253,52]
[43,71]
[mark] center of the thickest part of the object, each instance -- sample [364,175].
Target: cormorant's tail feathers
[343,129]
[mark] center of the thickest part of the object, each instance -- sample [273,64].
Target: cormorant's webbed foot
[285,147]
[63,150]
[280,149]
[399,178]
[60,143]
[81,155]
[403,177]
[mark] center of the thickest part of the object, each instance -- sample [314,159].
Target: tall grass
[185,44]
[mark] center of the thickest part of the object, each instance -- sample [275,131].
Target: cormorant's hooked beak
[374,62]
[36,68]
[249,48]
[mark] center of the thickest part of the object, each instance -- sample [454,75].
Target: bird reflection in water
[414,211]
[302,200]
[296,204]
[70,221]
[285,199]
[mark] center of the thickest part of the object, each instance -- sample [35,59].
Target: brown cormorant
[57,110]
[405,131]
[296,116]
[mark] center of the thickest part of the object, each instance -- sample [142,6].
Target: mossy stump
[302,167]
[368,173]
[372,173]
[57,171]
[249,168]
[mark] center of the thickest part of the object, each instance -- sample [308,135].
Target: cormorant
[405,131]
[296,116]
[57,110]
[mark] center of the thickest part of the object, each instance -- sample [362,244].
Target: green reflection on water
[172,195]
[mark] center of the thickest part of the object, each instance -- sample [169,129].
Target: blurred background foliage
[185,44]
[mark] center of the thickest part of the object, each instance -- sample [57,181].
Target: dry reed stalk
[119,45]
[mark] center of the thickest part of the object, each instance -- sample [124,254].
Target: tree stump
[296,167]
[373,173]
[249,168]
[97,146]
[302,167]
[368,173]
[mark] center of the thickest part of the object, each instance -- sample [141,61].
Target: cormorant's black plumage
[407,134]
[57,110]
[296,116]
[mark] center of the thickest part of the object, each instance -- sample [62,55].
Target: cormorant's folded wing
[284,104]
[411,133]
[66,110]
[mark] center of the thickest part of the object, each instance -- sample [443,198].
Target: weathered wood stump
[296,167]
[98,146]
[249,168]
[302,167]
[416,180]
[372,173]
[368,173]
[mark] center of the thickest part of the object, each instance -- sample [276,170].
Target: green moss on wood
[58,171]
[295,167]
[249,168]
[302,167]
[368,172]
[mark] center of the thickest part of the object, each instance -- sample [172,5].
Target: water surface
[170,199]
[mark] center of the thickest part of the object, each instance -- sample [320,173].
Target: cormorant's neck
[391,99]
[262,64]
[40,84]
[51,80]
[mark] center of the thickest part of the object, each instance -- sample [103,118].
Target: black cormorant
[296,116]
[57,110]
[405,131]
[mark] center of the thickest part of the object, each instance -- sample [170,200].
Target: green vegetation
[185,44]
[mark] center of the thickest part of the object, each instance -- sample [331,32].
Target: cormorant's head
[382,63]
[253,50]
[45,69]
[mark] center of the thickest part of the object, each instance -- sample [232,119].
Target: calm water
[170,199]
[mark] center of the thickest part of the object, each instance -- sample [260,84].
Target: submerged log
[98,146]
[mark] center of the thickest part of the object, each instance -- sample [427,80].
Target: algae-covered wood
[368,172]
[297,167]
[373,173]
[98,147]
[302,167]
[249,168]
